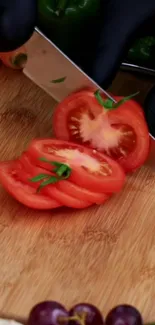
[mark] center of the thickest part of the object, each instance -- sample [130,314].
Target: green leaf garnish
[50,180]
[108,103]
[56,163]
[39,177]
[57,81]
[62,171]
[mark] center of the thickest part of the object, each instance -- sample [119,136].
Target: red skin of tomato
[22,192]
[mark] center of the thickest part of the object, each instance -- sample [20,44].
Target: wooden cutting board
[103,255]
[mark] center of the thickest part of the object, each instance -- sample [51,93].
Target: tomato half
[122,133]
[90,169]
[52,190]
[70,188]
[68,113]
[22,192]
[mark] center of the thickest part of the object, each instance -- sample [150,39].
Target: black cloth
[17,22]
[122,21]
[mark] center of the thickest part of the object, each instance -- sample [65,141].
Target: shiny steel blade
[46,61]
[76,67]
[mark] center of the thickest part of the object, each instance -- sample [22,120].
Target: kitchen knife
[53,71]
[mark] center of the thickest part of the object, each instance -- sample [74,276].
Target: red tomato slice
[24,193]
[69,188]
[122,133]
[82,193]
[90,169]
[65,199]
[52,190]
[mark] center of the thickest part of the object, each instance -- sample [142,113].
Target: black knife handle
[122,21]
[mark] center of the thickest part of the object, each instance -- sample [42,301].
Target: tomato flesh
[127,142]
[90,169]
[22,192]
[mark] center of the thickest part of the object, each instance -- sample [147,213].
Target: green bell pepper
[65,22]
[143,51]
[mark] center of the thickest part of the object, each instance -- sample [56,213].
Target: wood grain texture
[104,255]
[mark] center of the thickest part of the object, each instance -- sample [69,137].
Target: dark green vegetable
[143,51]
[65,21]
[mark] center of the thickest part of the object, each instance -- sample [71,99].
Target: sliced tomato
[65,199]
[26,162]
[122,133]
[82,193]
[69,188]
[90,169]
[52,190]
[22,192]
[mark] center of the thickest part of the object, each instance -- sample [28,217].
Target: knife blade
[47,65]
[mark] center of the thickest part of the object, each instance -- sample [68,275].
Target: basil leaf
[54,163]
[57,81]
[38,178]
[67,173]
[57,164]
[63,171]
[50,180]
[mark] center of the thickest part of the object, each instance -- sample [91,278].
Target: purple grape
[124,315]
[87,313]
[48,313]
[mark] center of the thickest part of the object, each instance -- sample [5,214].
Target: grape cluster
[53,313]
